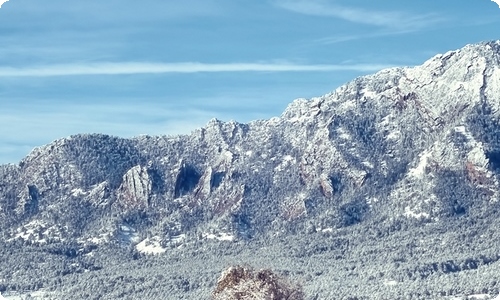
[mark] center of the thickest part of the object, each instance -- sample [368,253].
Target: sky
[158,67]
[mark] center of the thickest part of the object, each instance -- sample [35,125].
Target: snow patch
[462,130]
[77,192]
[127,235]
[369,94]
[300,119]
[287,160]
[390,282]
[393,135]
[411,214]
[150,246]
[367,164]
[372,200]
[100,239]
[480,297]
[228,155]
[419,170]
[21,296]
[477,157]
[38,232]
[347,105]
[222,236]
[343,134]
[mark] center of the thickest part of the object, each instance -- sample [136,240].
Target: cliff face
[416,143]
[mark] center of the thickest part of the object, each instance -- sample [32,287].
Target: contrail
[187,67]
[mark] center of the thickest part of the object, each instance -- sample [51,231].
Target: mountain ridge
[319,119]
[387,152]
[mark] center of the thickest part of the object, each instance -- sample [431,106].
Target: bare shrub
[244,283]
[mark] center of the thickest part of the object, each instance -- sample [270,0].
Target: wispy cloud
[124,68]
[345,38]
[388,19]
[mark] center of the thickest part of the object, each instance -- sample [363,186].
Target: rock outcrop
[245,283]
[135,189]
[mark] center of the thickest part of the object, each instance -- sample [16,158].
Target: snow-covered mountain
[399,138]
[402,146]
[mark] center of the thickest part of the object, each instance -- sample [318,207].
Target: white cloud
[188,67]
[497,2]
[345,38]
[390,19]
[2,2]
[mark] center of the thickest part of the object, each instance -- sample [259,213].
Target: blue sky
[166,67]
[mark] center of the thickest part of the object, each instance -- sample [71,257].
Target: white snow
[368,93]
[343,134]
[222,236]
[128,234]
[367,164]
[102,238]
[37,232]
[150,246]
[462,130]
[347,105]
[21,296]
[372,200]
[228,155]
[419,170]
[77,192]
[393,135]
[479,297]
[477,157]
[409,213]
[386,120]
[390,282]
[287,160]
[497,297]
